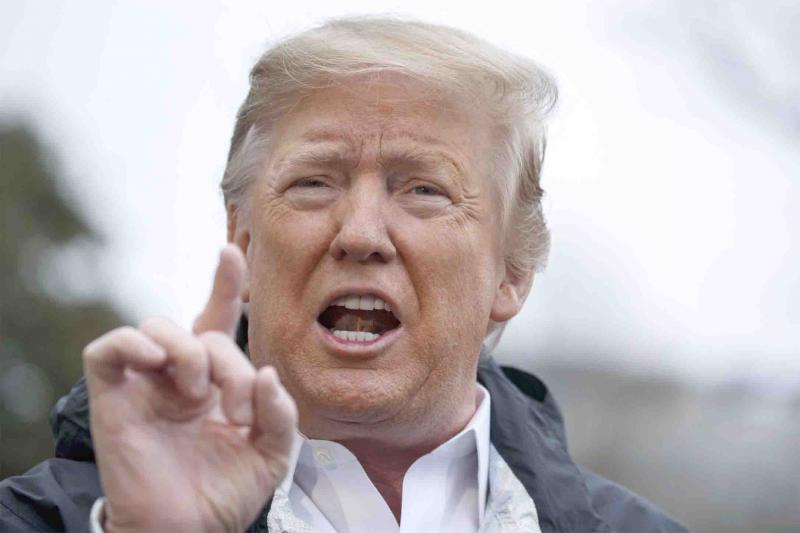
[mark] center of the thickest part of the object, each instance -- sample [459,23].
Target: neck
[386,464]
[386,467]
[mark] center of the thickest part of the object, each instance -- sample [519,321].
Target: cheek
[286,247]
[452,266]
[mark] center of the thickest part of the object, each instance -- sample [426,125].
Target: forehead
[384,118]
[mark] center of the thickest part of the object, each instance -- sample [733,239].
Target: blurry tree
[42,331]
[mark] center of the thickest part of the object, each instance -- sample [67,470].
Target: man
[384,222]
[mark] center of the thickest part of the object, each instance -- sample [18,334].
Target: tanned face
[375,261]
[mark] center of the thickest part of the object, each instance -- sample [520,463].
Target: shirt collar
[475,437]
[481,424]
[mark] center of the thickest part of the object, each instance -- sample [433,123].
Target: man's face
[372,190]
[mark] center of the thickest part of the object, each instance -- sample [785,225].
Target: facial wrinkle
[338,158]
[413,158]
[328,133]
[421,148]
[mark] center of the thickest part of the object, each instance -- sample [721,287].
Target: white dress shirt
[444,490]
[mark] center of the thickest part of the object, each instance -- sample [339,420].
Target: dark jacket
[526,429]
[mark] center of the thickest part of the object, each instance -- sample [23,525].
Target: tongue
[341,318]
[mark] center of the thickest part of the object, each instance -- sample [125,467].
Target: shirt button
[323,456]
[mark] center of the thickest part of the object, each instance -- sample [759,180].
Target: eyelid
[436,190]
[433,191]
[318,181]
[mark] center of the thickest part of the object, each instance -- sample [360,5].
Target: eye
[312,192]
[426,190]
[423,199]
[312,182]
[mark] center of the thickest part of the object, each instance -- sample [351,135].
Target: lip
[357,349]
[362,291]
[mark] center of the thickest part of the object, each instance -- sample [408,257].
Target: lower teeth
[358,336]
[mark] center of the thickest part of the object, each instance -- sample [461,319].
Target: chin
[346,396]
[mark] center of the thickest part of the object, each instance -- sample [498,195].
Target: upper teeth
[365,303]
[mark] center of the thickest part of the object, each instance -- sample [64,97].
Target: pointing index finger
[224,306]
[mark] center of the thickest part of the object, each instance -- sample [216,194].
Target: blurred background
[666,323]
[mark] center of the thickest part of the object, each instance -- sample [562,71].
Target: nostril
[374,257]
[338,253]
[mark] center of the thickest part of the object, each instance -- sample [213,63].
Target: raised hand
[188,435]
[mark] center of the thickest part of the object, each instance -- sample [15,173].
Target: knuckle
[123,338]
[116,339]
[126,332]
[189,352]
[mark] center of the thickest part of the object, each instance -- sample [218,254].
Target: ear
[239,234]
[511,293]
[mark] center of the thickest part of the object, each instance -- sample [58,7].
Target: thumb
[224,307]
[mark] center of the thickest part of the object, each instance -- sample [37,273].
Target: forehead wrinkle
[328,133]
[336,154]
[423,151]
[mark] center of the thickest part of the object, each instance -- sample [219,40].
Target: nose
[363,236]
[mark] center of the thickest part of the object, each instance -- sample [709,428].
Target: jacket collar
[528,432]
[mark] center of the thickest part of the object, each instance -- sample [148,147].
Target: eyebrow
[325,146]
[416,157]
[422,151]
[328,150]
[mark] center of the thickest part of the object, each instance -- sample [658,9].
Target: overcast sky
[672,173]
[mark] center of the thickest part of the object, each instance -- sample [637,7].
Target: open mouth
[358,318]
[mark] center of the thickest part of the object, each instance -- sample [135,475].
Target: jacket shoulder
[625,511]
[55,495]
[528,431]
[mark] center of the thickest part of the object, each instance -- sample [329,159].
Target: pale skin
[369,188]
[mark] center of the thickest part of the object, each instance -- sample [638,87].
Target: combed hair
[516,94]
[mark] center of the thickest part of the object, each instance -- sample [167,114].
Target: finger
[275,413]
[234,374]
[107,356]
[186,356]
[224,306]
